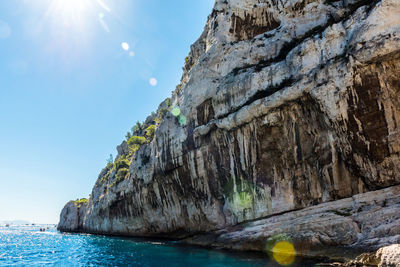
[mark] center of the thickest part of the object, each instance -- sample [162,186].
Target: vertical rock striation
[285,108]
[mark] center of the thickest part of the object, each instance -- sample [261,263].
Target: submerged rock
[286,121]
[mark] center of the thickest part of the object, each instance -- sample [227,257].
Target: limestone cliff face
[283,106]
[72,217]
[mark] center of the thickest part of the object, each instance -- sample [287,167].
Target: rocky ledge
[286,122]
[340,229]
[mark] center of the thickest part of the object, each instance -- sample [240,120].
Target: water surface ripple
[27,246]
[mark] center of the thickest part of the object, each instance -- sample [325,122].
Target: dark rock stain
[367,123]
[250,26]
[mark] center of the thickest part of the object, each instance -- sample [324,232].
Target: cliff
[286,121]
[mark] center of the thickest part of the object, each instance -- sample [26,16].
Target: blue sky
[69,91]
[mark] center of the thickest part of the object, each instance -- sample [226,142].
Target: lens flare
[281,249]
[103,23]
[125,46]
[153,82]
[176,111]
[182,120]
[70,13]
[104,6]
[284,253]
[245,199]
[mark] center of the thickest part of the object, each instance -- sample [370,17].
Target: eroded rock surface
[284,106]
[369,220]
[71,218]
[389,256]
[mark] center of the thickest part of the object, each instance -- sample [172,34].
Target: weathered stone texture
[289,105]
[71,218]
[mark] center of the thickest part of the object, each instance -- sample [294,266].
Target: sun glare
[70,13]
[125,46]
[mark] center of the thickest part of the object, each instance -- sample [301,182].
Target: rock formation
[286,121]
[385,256]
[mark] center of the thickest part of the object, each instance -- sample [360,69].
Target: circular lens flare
[125,46]
[182,120]
[176,111]
[280,248]
[153,81]
[284,253]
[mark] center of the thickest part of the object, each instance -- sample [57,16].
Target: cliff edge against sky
[286,122]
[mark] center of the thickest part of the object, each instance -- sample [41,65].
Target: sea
[26,245]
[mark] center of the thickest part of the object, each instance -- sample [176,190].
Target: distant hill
[15,222]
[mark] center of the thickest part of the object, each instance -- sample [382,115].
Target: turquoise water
[27,246]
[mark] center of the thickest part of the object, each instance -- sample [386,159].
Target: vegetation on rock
[140,134]
[110,159]
[80,202]
[121,162]
[150,131]
[121,175]
[136,140]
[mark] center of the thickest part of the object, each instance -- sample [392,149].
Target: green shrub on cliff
[110,159]
[133,149]
[105,177]
[136,140]
[121,162]
[168,102]
[150,131]
[136,128]
[109,165]
[134,144]
[80,202]
[157,120]
[109,169]
[121,166]
[122,174]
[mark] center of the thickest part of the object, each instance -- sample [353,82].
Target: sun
[76,13]
[70,13]
[71,4]
[69,28]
